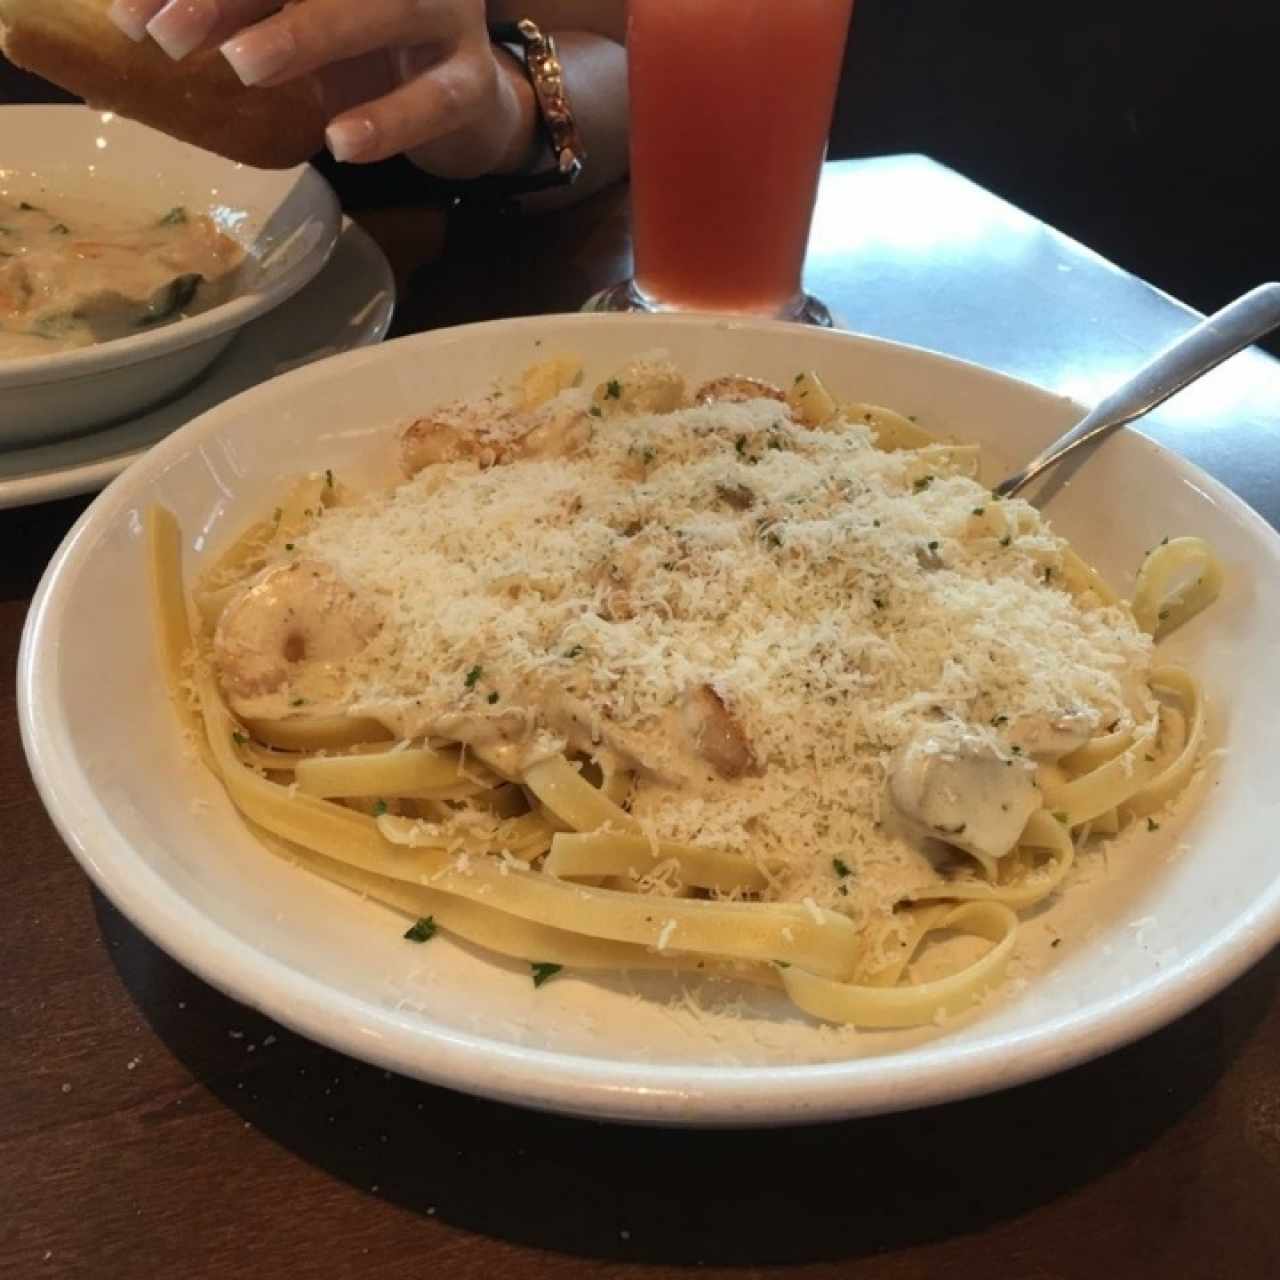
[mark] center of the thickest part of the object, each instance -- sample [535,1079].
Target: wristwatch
[525,41]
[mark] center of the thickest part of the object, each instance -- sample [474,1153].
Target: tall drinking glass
[731,105]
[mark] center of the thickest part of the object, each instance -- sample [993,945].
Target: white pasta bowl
[1180,913]
[286,221]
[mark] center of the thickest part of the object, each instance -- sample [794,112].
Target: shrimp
[428,441]
[735,389]
[281,641]
[460,435]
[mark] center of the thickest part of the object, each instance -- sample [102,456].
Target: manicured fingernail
[348,139]
[182,26]
[131,17]
[260,53]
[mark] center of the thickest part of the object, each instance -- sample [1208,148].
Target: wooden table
[151,1127]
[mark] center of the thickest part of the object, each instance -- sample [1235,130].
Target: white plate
[348,305]
[1182,913]
[287,221]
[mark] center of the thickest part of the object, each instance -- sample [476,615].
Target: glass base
[626,297]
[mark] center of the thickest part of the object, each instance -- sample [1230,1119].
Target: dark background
[1146,129]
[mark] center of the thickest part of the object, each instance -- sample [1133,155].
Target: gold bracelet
[537,53]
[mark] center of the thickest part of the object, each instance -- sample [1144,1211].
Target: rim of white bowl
[571,1083]
[235,313]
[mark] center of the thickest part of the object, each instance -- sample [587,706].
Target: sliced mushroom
[955,786]
[736,389]
[715,734]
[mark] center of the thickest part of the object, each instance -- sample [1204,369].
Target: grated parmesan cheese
[832,602]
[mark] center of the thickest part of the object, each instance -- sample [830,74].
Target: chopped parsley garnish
[493,697]
[174,218]
[841,867]
[613,389]
[596,411]
[473,677]
[423,931]
[1004,542]
[1152,825]
[933,546]
[977,511]
[240,739]
[1150,759]
[1163,615]
[922,484]
[997,721]
[297,702]
[1062,816]
[875,600]
[288,546]
[379,808]
[783,964]
[576,652]
[1048,572]
[740,446]
[543,971]
[25,207]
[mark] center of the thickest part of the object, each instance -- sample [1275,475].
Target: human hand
[418,76]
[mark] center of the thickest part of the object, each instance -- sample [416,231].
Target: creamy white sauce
[74,272]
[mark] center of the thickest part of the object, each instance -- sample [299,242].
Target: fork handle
[1212,341]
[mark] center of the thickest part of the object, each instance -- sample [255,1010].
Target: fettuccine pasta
[751,682]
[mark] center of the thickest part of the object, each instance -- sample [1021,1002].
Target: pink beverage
[731,105]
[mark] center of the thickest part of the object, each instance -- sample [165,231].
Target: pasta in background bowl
[1180,908]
